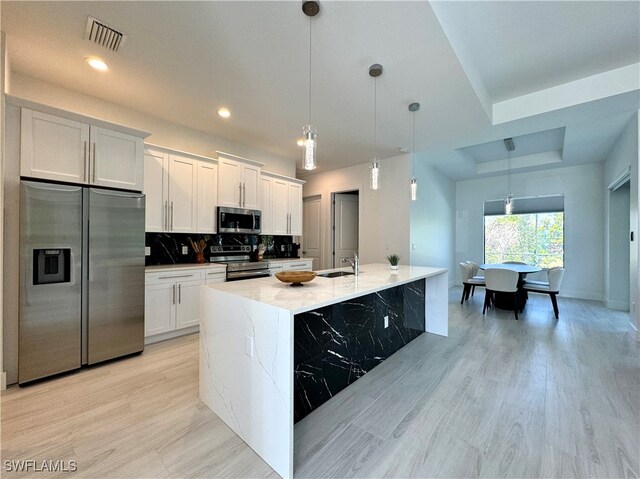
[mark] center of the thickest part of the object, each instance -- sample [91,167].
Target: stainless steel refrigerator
[81,277]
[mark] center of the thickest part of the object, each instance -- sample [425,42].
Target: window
[536,239]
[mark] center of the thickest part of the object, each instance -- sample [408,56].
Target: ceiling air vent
[99,32]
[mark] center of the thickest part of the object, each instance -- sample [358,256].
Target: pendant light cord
[413,147]
[375,116]
[310,70]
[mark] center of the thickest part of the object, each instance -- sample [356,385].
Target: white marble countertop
[160,268]
[324,291]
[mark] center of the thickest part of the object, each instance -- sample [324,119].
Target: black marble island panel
[337,344]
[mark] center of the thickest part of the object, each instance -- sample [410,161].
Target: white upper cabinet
[53,148]
[181,191]
[156,189]
[281,205]
[116,159]
[206,204]
[238,181]
[266,226]
[183,178]
[65,149]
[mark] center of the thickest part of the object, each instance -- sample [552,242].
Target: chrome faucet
[355,264]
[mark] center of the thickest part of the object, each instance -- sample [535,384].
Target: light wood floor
[498,398]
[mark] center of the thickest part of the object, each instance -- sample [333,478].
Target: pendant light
[508,202]
[375,71]
[413,184]
[310,8]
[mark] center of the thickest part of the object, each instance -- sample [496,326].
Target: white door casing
[345,235]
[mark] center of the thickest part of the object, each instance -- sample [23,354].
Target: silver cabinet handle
[86,164]
[171,228]
[240,194]
[177,276]
[244,195]
[179,293]
[164,217]
[173,294]
[94,162]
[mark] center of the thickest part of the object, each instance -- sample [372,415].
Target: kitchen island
[270,353]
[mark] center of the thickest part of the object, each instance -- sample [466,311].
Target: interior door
[345,238]
[116,159]
[156,189]
[311,231]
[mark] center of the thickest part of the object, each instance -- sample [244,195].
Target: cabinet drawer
[302,266]
[174,277]
[216,276]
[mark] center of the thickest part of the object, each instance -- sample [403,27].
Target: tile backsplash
[166,248]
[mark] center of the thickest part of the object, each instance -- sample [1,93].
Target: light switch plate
[386,322]
[185,250]
[147,250]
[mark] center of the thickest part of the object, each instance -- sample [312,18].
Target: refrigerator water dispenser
[51,266]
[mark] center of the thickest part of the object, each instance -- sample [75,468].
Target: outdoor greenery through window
[536,239]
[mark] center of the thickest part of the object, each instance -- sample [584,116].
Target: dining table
[505,300]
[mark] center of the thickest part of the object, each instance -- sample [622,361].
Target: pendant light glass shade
[374,167]
[414,188]
[508,205]
[309,158]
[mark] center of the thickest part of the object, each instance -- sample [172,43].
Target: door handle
[165,218]
[173,294]
[86,164]
[94,162]
[171,228]
[179,293]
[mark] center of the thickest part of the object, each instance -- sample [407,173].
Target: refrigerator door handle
[94,162]
[86,163]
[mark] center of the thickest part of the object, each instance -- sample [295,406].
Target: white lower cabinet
[172,299]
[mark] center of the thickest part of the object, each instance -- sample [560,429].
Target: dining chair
[469,283]
[500,281]
[475,268]
[552,287]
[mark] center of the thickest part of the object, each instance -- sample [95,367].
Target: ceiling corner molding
[596,87]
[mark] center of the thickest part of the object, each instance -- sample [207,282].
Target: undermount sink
[335,274]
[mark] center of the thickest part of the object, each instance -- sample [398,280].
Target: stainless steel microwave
[238,220]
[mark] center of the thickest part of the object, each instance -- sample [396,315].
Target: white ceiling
[183,60]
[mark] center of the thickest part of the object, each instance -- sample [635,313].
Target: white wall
[433,220]
[384,213]
[163,132]
[584,220]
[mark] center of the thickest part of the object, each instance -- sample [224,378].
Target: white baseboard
[156,338]
[581,295]
[619,305]
[3,381]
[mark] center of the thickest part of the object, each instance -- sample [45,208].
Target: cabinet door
[229,182]
[159,308]
[206,207]
[182,194]
[251,187]
[116,159]
[156,189]
[280,207]
[188,310]
[265,206]
[53,148]
[295,209]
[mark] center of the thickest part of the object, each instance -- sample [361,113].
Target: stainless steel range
[238,261]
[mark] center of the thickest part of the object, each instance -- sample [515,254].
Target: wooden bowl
[296,278]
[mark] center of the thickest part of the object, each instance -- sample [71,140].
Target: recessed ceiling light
[300,142]
[224,113]
[97,64]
